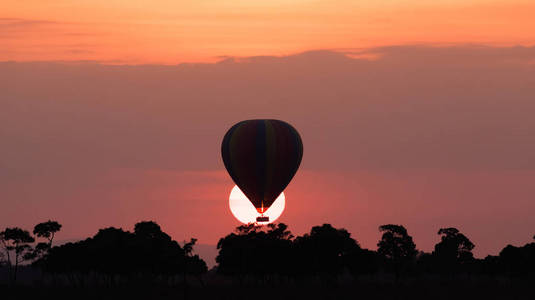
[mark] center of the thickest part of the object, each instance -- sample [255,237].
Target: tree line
[17,249]
[110,257]
[327,251]
[114,256]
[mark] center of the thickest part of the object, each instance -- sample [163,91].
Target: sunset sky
[176,31]
[411,112]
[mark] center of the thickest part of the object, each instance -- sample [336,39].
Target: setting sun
[245,212]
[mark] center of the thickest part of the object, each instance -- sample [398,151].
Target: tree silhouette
[397,247]
[324,250]
[194,265]
[18,241]
[47,230]
[518,261]
[262,254]
[150,230]
[146,255]
[158,252]
[513,261]
[255,250]
[188,247]
[453,250]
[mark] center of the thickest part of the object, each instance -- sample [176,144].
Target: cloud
[79,51]
[18,24]
[415,107]
[20,32]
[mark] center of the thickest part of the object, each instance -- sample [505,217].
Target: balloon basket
[262,219]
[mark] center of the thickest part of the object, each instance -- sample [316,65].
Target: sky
[177,31]
[411,113]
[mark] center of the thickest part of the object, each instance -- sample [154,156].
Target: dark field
[342,288]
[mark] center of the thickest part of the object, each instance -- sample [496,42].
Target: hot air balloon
[261,157]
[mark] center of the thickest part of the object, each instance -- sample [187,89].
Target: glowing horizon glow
[244,211]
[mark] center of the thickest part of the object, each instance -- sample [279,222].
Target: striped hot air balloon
[262,157]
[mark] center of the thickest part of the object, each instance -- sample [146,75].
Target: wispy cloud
[16,23]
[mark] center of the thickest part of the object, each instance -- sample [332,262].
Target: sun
[245,212]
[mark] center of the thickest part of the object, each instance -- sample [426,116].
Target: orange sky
[174,31]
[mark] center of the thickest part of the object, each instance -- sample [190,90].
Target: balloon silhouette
[262,156]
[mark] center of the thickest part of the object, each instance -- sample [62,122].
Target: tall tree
[396,246]
[454,247]
[17,241]
[192,265]
[47,230]
[454,251]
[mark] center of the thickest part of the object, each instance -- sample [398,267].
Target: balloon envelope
[262,157]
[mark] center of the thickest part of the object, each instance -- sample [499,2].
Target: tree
[194,265]
[146,255]
[397,247]
[188,247]
[255,250]
[18,241]
[518,261]
[453,249]
[47,230]
[324,250]
[150,230]
[158,252]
